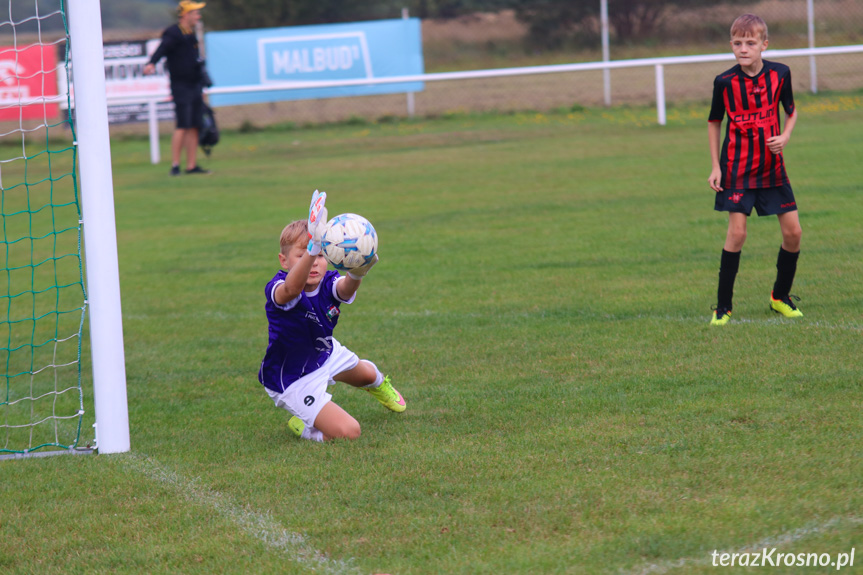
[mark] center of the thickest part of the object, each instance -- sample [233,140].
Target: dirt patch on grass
[474,29]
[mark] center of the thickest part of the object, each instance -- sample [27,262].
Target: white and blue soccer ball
[349,241]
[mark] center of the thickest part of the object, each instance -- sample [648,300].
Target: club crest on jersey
[332,313]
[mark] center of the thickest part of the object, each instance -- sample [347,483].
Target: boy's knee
[791,238]
[796,234]
[736,238]
[347,430]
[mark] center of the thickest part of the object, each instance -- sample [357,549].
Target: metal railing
[658,64]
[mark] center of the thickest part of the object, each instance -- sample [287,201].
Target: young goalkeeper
[749,169]
[303,357]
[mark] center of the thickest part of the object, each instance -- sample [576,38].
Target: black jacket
[183,58]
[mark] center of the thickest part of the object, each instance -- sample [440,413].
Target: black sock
[786,268]
[728,267]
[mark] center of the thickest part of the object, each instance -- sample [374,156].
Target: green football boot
[296,425]
[785,306]
[388,396]
[721,316]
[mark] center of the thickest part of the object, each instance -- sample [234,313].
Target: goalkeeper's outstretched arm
[297,277]
[301,258]
[349,284]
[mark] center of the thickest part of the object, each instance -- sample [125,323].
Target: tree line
[550,23]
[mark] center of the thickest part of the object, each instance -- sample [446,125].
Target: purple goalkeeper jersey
[301,332]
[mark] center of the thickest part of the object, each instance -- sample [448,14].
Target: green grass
[542,302]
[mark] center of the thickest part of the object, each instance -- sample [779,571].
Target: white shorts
[307,396]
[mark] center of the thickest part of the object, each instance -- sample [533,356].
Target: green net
[42,298]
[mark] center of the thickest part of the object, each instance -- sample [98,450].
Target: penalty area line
[257,525]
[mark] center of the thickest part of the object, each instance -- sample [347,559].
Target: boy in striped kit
[748,169]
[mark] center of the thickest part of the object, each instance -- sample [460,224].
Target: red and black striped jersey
[752,106]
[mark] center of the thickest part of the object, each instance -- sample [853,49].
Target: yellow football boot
[388,396]
[721,316]
[785,306]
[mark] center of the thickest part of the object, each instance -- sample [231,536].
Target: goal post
[100,236]
[57,190]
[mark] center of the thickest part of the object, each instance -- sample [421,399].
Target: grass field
[542,302]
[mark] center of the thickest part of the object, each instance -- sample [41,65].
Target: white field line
[768,542]
[800,323]
[704,319]
[257,525]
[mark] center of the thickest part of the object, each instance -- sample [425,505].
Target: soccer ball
[349,241]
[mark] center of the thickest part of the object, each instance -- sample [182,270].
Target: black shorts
[767,201]
[188,105]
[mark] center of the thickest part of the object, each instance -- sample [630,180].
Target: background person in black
[180,48]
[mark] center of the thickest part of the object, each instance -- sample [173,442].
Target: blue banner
[332,52]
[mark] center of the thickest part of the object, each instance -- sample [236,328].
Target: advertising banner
[353,51]
[124,76]
[27,74]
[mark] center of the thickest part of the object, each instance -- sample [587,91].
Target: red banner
[26,75]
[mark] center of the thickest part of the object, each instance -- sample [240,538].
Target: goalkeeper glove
[360,272]
[317,221]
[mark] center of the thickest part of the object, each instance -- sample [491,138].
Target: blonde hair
[749,25]
[295,234]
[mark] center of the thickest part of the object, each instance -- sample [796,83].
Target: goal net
[43,294]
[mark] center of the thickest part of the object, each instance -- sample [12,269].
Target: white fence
[659,65]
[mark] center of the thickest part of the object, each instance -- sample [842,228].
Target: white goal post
[58,235]
[100,237]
